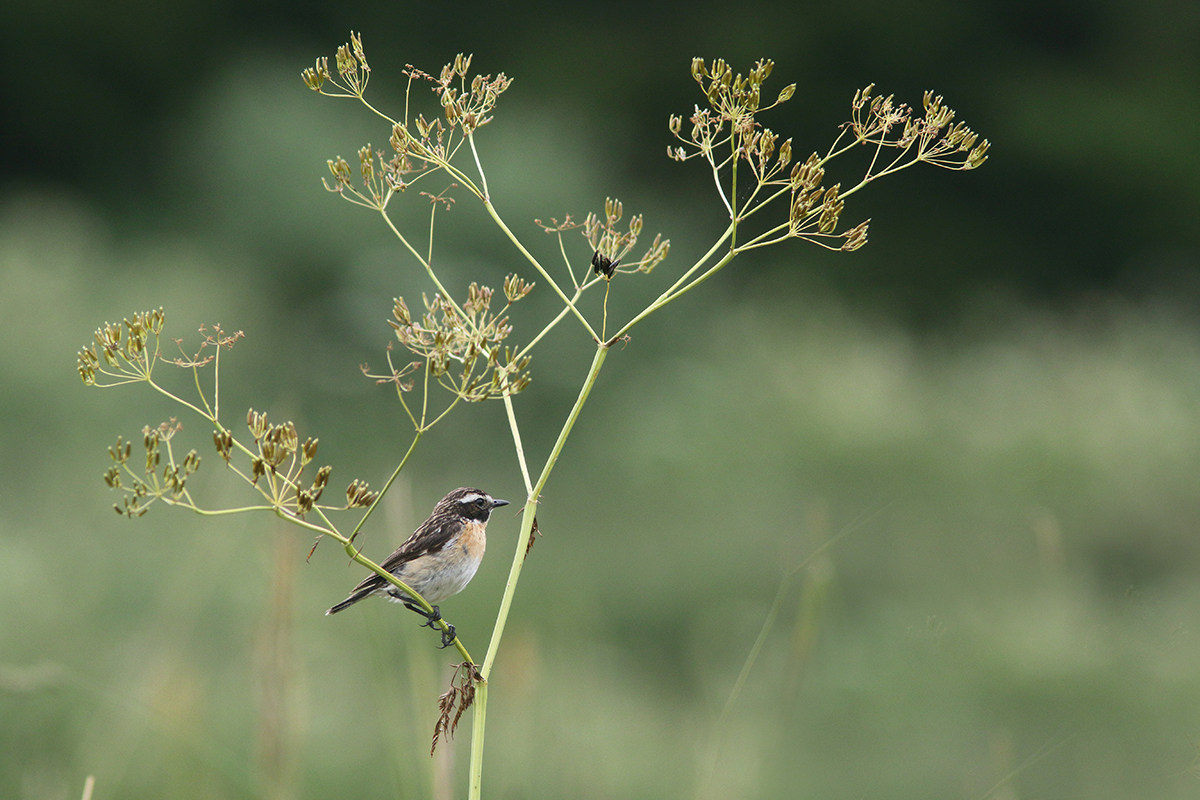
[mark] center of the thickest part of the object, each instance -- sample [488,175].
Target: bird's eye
[480,502]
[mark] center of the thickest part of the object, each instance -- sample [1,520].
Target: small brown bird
[438,560]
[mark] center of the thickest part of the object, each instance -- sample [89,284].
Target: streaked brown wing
[431,537]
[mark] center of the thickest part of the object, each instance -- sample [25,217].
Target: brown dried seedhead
[457,699]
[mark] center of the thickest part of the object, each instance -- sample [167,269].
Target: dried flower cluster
[419,145]
[150,485]
[124,352]
[875,119]
[127,353]
[463,346]
[281,459]
[468,109]
[359,494]
[727,133]
[351,66]
[730,119]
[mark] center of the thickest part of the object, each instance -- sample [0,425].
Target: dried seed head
[346,65]
[654,256]
[456,343]
[807,176]
[322,478]
[315,77]
[831,209]
[766,145]
[785,153]
[356,45]
[366,164]
[341,172]
[400,312]
[613,209]
[320,482]
[515,288]
[223,441]
[400,138]
[856,237]
[358,495]
[257,423]
[978,155]
[288,437]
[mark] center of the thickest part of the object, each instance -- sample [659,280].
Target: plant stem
[388,485]
[516,432]
[668,296]
[478,723]
[479,166]
[528,515]
[512,237]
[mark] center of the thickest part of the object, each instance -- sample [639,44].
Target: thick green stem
[478,722]
[668,297]
[528,516]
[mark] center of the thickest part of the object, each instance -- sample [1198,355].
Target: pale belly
[444,574]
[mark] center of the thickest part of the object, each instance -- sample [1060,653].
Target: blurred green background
[995,401]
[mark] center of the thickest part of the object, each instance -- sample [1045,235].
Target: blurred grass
[1020,601]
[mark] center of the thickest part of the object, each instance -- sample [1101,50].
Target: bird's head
[470,504]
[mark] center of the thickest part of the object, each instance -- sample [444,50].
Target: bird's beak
[498,503]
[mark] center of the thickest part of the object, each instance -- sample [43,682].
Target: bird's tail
[351,600]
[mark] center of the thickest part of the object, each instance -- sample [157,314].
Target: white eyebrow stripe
[471,498]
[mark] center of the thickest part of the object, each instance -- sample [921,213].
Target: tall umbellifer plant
[460,350]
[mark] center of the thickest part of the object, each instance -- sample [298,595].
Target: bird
[438,560]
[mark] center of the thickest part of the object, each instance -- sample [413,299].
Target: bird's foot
[448,637]
[432,620]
